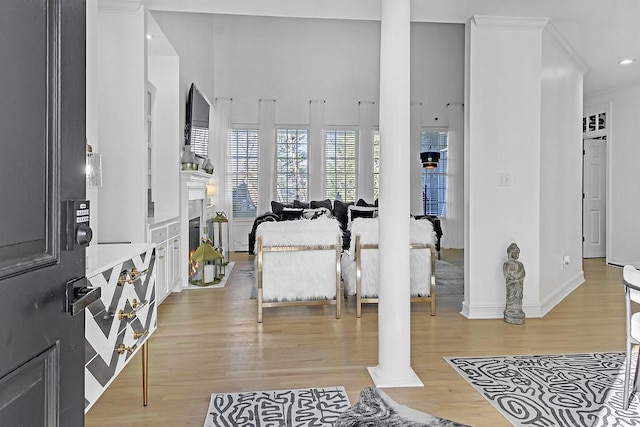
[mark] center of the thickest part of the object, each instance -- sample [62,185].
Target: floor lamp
[429,160]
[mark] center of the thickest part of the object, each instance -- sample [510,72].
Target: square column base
[411,381]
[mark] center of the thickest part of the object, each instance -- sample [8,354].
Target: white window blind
[340,165]
[242,171]
[376,164]
[200,140]
[291,165]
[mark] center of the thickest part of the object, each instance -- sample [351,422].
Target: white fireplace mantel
[193,186]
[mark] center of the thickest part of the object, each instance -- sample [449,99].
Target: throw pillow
[276,207]
[362,202]
[291,213]
[301,205]
[315,213]
[315,204]
[361,212]
[340,210]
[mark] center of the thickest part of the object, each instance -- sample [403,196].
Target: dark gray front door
[42,146]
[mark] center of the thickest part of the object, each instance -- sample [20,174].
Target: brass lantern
[208,265]
[221,229]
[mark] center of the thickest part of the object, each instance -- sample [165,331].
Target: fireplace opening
[194,234]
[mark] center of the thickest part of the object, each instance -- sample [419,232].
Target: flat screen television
[196,130]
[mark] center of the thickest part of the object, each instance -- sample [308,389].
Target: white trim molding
[485,22]
[495,311]
[551,31]
[122,6]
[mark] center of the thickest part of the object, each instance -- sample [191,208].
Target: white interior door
[594,197]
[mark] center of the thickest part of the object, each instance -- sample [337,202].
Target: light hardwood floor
[208,341]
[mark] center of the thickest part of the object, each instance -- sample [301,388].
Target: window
[434,181]
[242,172]
[291,165]
[376,164]
[340,165]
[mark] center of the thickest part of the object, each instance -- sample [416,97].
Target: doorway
[594,195]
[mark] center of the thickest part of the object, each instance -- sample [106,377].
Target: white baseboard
[493,311]
[561,293]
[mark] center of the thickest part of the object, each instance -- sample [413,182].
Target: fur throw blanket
[421,231]
[299,275]
[376,408]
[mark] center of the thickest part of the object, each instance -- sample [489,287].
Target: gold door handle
[130,315]
[122,349]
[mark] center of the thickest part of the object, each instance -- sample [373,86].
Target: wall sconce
[210,193]
[430,159]
[93,168]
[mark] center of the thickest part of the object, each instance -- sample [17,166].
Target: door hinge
[582,239]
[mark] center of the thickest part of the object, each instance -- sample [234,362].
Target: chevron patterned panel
[111,343]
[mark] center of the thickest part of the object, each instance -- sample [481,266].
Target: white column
[394,322]
[414,159]
[315,150]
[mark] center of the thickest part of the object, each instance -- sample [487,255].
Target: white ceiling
[602,32]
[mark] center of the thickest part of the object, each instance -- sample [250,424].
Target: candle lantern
[206,264]
[221,233]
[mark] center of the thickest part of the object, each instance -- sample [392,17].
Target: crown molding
[552,32]
[485,22]
[122,6]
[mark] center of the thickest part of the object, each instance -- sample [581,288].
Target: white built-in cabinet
[166,236]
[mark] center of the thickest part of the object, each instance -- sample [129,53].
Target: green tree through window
[291,165]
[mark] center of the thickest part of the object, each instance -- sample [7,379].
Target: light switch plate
[504,179]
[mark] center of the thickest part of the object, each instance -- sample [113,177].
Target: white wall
[92,106]
[191,35]
[295,60]
[561,177]
[623,227]
[437,69]
[163,72]
[523,110]
[504,137]
[121,88]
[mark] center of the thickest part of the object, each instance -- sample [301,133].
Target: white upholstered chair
[631,280]
[298,263]
[360,263]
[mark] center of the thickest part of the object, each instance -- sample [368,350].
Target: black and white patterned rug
[553,390]
[316,407]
